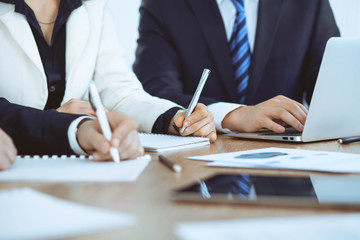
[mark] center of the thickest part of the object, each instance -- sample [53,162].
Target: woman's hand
[76,106]
[200,123]
[124,137]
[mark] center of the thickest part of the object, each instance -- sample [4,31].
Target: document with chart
[284,158]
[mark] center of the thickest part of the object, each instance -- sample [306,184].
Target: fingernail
[187,123]
[280,129]
[116,142]
[301,127]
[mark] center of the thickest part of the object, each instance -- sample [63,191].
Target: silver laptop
[335,106]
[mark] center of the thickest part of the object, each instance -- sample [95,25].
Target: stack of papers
[283,158]
[162,143]
[27,214]
[329,227]
[70,169]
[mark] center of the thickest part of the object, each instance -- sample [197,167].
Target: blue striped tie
[240,50]
[241,186]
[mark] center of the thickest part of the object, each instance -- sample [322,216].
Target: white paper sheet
[284,158]
[162,142]
[329,227]
[28,214]
[72,169]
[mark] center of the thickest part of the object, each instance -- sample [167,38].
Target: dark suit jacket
[179,38]
[34,131]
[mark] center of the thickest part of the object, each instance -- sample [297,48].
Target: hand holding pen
[197,120]
[115,134]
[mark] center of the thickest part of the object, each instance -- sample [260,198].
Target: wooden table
[149,197]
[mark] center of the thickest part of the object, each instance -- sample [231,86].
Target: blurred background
[126,13]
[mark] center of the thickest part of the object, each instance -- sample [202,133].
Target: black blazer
[35,131]
[179,38]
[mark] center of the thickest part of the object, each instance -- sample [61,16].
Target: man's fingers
[200,112]
[273,126]
[303,108]
[212,136]
[179,118]
[294,107]
[201,128]
[297,111]
[288,118]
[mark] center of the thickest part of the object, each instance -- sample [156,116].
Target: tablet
[312,190]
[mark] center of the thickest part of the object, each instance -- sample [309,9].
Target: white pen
[96,104]
[197,93]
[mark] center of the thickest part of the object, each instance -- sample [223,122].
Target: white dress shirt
[72,131]
[228,13]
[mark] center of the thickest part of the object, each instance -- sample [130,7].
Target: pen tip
[115,154]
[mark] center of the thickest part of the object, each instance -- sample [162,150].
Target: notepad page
[161,142]
[28,214]
[315,227]
[73,169]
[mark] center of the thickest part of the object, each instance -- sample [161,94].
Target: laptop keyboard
[288,131]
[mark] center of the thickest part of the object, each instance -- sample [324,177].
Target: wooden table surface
[149,197]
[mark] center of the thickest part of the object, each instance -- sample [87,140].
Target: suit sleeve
[35,131]
[158,65]
[325,28]
[118,86]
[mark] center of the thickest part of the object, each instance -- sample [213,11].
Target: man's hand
[124,138]
[8,151]
[272,114]
[199,123]
[76,106]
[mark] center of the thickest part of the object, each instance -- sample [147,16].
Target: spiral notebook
[73,169]
[162,143]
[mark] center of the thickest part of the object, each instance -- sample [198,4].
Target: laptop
[334,110]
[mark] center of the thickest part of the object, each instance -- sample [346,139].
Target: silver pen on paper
[96,104]
[197,93]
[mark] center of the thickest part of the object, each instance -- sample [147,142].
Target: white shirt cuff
[220,110]
[72,130]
